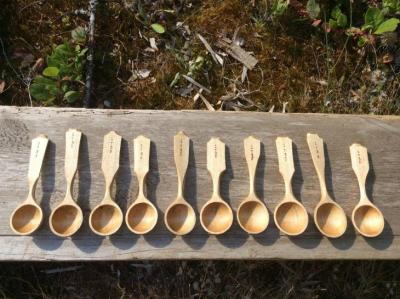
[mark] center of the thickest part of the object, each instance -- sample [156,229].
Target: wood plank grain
[381,135]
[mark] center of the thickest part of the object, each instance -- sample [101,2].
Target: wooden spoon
[142,215]
[179,216]
[216,216]
[28,216]
[329,217]
[367,218]
[67,217]
[290,215]
[252,214]
[106,218]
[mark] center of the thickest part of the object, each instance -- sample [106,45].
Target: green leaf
[158,28]
[313,8]
[79,35]
[72,96]
[51,71]
[392,5]
[335,13]
[389,25]
[362,41]
[373,17]
[342,20]
[333,23]
[339,19]
[43,89]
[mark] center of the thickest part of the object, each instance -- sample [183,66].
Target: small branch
[90,58]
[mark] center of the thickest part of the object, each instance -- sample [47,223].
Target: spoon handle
[72,143]
[215,162]
[141,146]
[286,165]
[38,150]
[360,164]
[181,157]
[110,161]
[316,146]
[252,153]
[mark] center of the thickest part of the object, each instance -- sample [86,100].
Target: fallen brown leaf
[2,86]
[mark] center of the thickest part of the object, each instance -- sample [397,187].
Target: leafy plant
[62,78]
[338,18]
[313,9]
[376,23]
[391,6]
[279,7]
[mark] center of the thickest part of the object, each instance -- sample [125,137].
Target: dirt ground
[300,68]
[201,280]
[299,65]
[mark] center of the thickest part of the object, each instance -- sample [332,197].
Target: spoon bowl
[253,216]
[368,220]
[291,217]
[26,218]
[216,217]
[180,218]
[366,217]
[106,219]
[330,219]
[66,219]
[141,217]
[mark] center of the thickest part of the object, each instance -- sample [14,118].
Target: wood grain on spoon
[366,217]
[180,217]
[28,216]
[290,215]
[141,217]
[216,216]
[106,218]
[67,217]
[329,217]
[252,214]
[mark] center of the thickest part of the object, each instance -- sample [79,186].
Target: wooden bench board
[19,125]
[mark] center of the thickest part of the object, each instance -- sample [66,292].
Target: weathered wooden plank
[380,134]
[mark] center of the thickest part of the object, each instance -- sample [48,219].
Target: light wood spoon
[180,217]
[216,216]
[106,218]
[329,217]
[367,218]
[142,215]
[290,215]
[252,214]
[28,216]
[67,217]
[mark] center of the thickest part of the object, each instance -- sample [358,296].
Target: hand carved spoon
[179,216]
[106,218]
[28,216]
[329,217]
[67,217]
[142,215]
[367,218]
[216,216]
[290,215]
[252,214]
